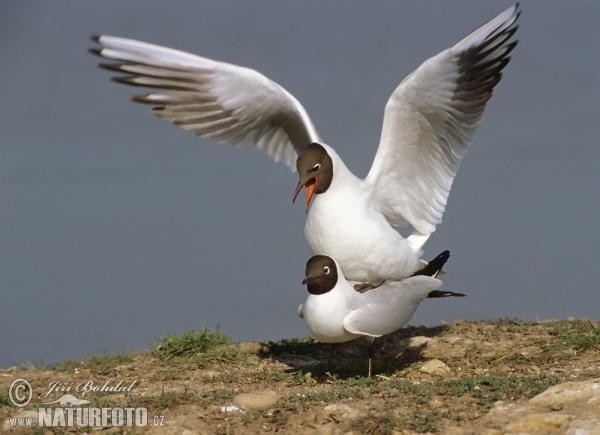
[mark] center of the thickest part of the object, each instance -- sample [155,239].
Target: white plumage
[429,123]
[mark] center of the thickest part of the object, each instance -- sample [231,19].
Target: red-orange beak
[310,190]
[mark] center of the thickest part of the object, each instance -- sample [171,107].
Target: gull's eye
[316,167]
[326,270]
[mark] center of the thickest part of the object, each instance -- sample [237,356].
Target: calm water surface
[116,227]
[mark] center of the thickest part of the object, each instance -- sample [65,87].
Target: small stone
[231,408]
[539,422]
[259,399]
[418,341]
[435,403]
[434,367]
[341,412]
[321,417]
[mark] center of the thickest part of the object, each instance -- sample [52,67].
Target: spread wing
[215,100]
[430,121]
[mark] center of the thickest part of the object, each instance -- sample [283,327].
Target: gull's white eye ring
[326,270]
[316,167]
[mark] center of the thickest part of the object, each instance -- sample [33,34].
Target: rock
[507,408]
[568,392]
[327,429]
[418,341]
[434,367]
[570,408]
[231,408]
[435,403]
[539,422]
[259,399]
[584,427]
[341,412]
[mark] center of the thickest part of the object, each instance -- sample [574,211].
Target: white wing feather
[388,308]
[215,100]
[430,121]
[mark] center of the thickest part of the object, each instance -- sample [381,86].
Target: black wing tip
[95,51]
[111,66]
[96,38]
[443,294]
[126,80]
[434,267]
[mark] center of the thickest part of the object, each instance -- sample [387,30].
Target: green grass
[188,344]
[581,336]
[375,424]
[196,349]
[101,364]
[4,400]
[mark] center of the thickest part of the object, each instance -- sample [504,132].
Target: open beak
[310,190]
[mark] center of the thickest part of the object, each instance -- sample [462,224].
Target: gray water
[117,227]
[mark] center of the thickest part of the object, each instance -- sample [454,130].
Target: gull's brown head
[321,274]
[315,169]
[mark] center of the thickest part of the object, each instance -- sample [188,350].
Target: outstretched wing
[215,100]
[430,121]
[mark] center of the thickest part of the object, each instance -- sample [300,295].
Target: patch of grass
[221,396]
[512,325]
[580,336]
[375,424]
[167,400]
[502,388]
[4,400]
[425,422]
[166,375]
[502,358]
[401,386]
[188,344]
[312,397]
[101,364]
[196,349]
[301,378]
[275,376]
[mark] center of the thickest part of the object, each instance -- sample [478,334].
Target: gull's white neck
[343,178]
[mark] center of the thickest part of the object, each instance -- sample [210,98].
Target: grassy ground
[197,373]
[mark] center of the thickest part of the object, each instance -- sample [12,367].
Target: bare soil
[482,364]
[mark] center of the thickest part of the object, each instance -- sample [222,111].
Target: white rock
[434,367]
[584,427]
[568,392]
[260,399]
[341,412]
[539,422]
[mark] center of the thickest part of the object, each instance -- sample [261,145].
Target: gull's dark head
[321,274]
[315,169]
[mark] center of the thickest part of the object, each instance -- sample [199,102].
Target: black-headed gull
[335,313]
[428,125]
